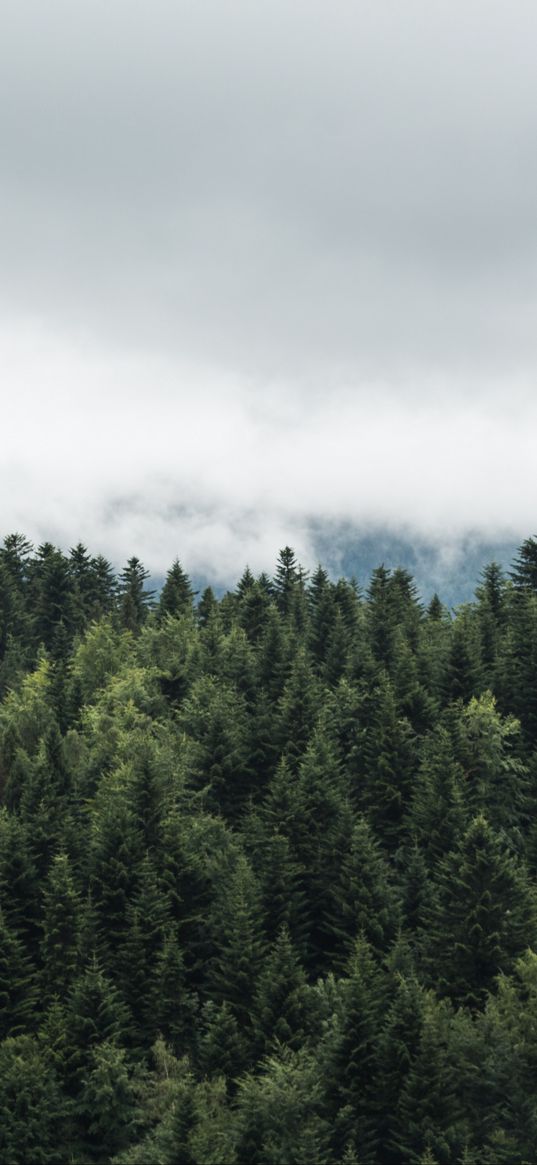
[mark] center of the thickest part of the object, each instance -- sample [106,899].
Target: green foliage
[268,867]
[33,1110]
[484,916]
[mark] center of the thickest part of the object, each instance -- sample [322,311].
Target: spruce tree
[34,1115]
[18,984]
[176,595]
[349,1061]
[134,599]
[239,942]
[280,1002]
[363,897]
[398,1044]
[484,917]
[430,1114]
[62,918]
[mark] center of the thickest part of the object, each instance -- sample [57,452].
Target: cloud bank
[265,266]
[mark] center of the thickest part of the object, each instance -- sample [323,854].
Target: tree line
[268,867]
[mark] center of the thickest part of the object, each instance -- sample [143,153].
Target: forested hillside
[268,868]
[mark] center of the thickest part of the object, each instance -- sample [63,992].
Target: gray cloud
[263,264]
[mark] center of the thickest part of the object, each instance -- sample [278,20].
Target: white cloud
[266,265]
[157,458]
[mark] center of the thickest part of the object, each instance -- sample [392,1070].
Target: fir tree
[176,595]
[134,599]
[62,917]
[280,1001]
[484,917]
[18,986]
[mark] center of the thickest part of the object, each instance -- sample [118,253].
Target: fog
[265,267]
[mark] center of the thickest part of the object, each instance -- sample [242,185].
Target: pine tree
[524,572]
[398,1045]
[279,1112]
[350,1057]
[463,672]
[18,986]
[50,591]
[105,1108]
[286,579]
[430,1116]
[298,708]
[255,604]
[436,815]
[484,918]
[176,595]
[34,1116]
[239,942]
[280,1001]
[19,884]
[62,916]
[222,1048]
[215,716]
[381,617]
[94,1013]
[171,1004]
[363,897]
[496,778]
[390,761]
[134,600]
[147,925]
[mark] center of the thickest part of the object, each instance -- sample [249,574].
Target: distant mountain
[451,567]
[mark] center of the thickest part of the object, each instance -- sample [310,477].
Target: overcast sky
[264,263]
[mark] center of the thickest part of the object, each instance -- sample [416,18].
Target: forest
[268,867]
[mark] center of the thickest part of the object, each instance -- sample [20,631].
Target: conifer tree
[298,708]
[255,604]
[62,918]
[222,1049]
[239,942]
[134,600]
[176,595]
[484,917]
[114,863]
[363,898]
[381,617]
[463,672]
[390,759]
[286,579]
[350,1065]
[34,1115]
[94,1013]
[280,1001]
[430,1114]
[436,812]
[207,606]
[19,884]
[524,572]
[282,887]
[280,1112]
[18,986]
[496,779]
[50,591]
[147,925]
[274,657]
[215,716]
[322,609]
[399,1041]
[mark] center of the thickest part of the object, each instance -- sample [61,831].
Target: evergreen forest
[268,867]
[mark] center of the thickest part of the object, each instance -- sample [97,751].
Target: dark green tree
[134,600]
[484,917]
[18,985]
[176,595]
